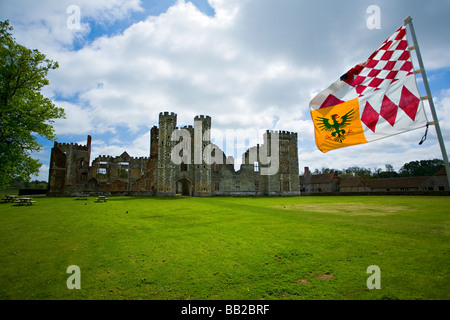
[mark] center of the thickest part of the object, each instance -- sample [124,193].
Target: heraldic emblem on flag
[376,99]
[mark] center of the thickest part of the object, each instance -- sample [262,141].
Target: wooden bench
[24,201]
[9,198]
[101,198]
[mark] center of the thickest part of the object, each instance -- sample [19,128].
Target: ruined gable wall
[118,173]
[69,167]
[250,180]
[57,172]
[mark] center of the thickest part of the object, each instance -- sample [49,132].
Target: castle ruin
[182,161]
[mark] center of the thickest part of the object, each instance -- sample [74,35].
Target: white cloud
[77,119]
[44,24]
[43,173]
[187,62]
[139,147]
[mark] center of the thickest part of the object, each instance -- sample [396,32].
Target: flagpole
[430,98]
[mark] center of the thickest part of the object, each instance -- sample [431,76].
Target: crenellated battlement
[70,145]
[166,113]
[74,146]
[282,133]
[166,116]
[202,117]
[167,120]
[119,158]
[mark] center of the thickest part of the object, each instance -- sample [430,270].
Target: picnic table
[82,197]
[9,198]
[101,198]
[24,201]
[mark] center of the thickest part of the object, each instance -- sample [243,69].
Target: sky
[251,65]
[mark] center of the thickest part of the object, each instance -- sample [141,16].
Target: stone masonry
[182,161]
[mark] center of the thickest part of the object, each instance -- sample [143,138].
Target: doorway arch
[184,187]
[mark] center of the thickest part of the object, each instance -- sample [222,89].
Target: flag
[375,99]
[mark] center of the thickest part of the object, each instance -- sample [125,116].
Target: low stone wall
[32,192]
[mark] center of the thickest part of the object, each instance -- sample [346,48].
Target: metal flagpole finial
[407,20]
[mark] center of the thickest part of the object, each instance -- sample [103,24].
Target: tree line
[416,168]
[20,183]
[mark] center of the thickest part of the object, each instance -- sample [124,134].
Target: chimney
[88,145]
[306,174]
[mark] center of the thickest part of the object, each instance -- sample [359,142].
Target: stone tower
[202,168]
[289,163]
[285,181]
[166,168]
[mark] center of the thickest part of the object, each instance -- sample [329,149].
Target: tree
[388,173]
[421,168]
[356,171]
[24,111]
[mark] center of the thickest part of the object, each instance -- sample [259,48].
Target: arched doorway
[184,187]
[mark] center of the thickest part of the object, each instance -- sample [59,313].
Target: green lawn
[226,248]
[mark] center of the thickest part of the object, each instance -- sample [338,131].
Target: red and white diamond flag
[380,96]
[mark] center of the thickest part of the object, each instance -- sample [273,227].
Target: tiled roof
[441,172]
[351,182]
[407,182]
[318,178]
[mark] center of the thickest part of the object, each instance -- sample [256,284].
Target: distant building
[353,184]
[397,184]
[323,183]
[310,183]
[437,182]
